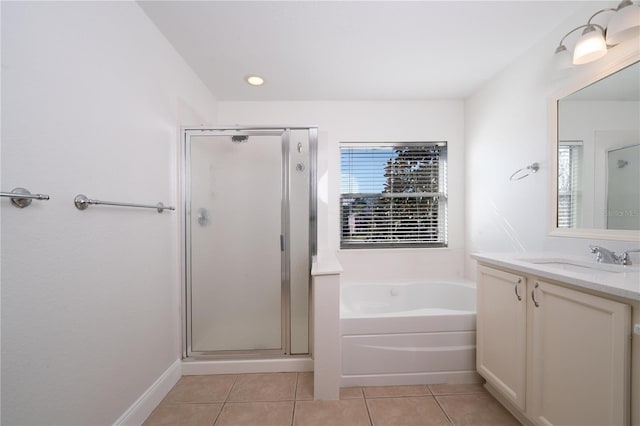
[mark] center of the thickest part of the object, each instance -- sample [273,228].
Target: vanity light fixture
[624,24]
[255,80]
[591,45]
[596,39]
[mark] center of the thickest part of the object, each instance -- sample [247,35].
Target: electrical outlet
[636,329]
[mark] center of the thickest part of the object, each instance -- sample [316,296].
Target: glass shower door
[623,195]
[236,234]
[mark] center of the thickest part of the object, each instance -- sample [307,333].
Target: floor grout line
[226,398]
[295,399]
[366,404]
[449,419]
[235,381]
[293,413]
[295,388]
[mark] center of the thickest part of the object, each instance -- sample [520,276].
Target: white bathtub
[408,333]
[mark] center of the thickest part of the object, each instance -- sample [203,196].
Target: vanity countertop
[615,280]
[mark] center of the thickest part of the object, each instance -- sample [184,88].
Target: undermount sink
[581,266]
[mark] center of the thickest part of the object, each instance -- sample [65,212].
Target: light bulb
[255,80]
[590,47]
[624,24]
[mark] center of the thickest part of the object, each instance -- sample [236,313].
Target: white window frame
[375,226]
[569,184]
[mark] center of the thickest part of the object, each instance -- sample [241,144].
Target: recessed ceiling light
[255,80]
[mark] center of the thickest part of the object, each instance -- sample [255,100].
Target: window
[393,195]
[569,171]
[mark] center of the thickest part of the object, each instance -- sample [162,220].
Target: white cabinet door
[501,332]
[579,368]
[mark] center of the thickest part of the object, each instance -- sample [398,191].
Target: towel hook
[531,168]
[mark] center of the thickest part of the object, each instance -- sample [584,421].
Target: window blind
[569,172]
[393,195]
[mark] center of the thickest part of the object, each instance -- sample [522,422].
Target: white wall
[92,97]
[0,219]
[369,121]
[506,129]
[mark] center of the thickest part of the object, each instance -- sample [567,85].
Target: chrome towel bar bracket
[22,198]
[82,202]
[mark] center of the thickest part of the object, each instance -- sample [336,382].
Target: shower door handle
[281,242]
[203,217]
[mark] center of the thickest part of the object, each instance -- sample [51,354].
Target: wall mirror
[596,155]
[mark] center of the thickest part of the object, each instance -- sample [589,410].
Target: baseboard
[149,400]
[195,367]
[432,378]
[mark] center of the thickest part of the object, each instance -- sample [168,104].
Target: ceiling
[353,50]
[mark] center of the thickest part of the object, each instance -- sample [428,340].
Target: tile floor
[273,399]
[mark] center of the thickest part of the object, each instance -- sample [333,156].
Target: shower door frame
[185,230]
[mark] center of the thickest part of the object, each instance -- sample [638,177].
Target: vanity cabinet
[501,331]
[557,355]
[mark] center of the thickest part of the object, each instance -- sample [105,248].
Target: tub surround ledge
[325,328]
[326,263]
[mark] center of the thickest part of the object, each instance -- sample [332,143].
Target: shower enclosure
[623,196]
[249,228]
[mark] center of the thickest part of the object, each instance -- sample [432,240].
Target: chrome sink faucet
[604,255]
[624,257]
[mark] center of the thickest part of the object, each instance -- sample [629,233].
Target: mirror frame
[583,77]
